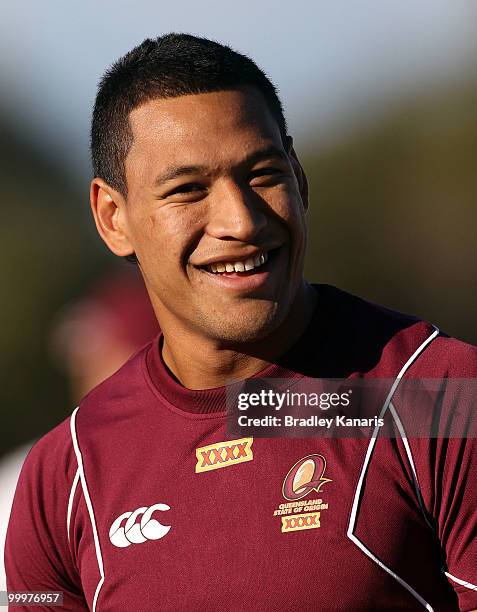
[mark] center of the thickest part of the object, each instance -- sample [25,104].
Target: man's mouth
[252,263]
[246,266]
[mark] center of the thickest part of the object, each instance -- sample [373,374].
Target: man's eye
[266,175]
[187,188]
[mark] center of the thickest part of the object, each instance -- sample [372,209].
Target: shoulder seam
[354,509]
[89,505]
[70,502]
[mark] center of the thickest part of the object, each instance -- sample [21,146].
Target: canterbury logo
[134,532]
[223,454]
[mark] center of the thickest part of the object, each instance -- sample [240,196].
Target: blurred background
[381,99]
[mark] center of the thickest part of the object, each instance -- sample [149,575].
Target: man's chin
[242,328]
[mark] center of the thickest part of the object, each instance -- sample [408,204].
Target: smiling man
[224,213]
[143,499]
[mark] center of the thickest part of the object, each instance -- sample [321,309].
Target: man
[123,506]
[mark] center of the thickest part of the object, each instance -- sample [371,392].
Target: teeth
[239,266]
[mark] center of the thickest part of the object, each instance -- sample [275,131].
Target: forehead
[214,128]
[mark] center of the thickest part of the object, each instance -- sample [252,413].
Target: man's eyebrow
[174,172]
[268,153]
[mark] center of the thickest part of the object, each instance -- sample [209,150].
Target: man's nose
[237,213]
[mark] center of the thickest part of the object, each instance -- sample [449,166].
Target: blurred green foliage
[393,214]
[49,253]
[393,218]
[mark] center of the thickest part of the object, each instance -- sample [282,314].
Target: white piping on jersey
[371,445]
[417,487]
[89,505]
[464,583]
[70,502]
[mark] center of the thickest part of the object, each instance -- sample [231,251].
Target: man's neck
[198,363]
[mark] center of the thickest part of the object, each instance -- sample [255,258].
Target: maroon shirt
[123,507]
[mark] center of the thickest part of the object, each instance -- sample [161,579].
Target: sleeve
[447,464]
[37,553]
[456,516]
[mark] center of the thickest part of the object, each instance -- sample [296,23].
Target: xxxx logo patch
[223,454]
[300,522]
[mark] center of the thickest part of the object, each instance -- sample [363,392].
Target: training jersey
[143,501]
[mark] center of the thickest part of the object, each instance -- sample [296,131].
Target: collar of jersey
[213,401]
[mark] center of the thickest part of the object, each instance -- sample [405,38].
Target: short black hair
[169,66]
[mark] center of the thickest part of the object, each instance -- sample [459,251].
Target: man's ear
[109,212]
[299,173]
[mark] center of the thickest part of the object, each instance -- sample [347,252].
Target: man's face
[215,214]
